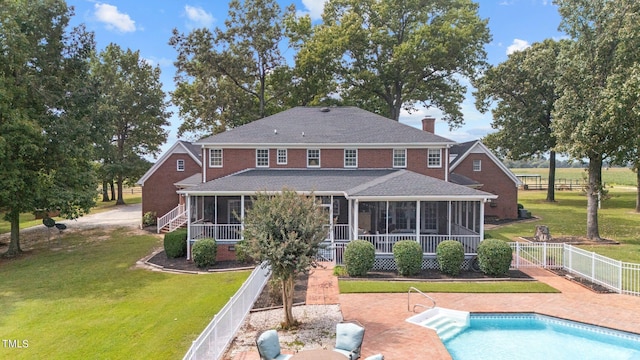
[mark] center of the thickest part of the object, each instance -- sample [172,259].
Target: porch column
[241,217]
[188,227]
[418,221]
[354,227]
[450,219]
[481,232]
[331,235]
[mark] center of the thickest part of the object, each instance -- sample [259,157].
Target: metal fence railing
[615,275]
[213,341]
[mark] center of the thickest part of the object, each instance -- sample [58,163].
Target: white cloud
[162,62]
[199,17]
[113,19]
[517,45]
[313,8]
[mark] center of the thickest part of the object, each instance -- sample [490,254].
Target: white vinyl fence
[213,341]
[615,275]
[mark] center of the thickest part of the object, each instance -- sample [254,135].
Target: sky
[146,25]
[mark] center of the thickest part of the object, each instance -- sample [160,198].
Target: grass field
[89,302]
[568,216]
[610,176]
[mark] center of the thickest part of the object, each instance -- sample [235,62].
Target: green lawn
[567,216]
[86,301]
[365,286]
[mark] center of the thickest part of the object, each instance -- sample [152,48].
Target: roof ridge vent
[325,109]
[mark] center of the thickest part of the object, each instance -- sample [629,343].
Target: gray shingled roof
[461,149]
[338,125]
[193,149]
[462,180]
[352,182]
[193,180]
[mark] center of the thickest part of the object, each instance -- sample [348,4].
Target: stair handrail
[166,218]
[421,293]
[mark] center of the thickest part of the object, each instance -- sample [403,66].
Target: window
[313,157]
[350,158]
[434,158]
[215,157]
[477,165]
[399,157]
[262,157]
[282,157]
[180,165]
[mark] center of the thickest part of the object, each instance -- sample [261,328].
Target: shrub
[339,270]
[359,257]
[408,257]
[149,218]
[204,252]
[175,243]
[450,255]
[494,257]
[242,252]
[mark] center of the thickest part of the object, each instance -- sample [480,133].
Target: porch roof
[365,184]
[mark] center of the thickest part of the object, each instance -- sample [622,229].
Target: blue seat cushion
[269,344]
[349,336]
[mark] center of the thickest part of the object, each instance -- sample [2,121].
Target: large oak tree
[222,78]
[606,36]
[389,55]
[523,90]
[131,112]
[46,98]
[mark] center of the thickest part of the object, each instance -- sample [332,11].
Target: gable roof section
[180,147]
[326,127]
[360,183]
[464,149]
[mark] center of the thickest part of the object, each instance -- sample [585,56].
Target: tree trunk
[113,190]
[594,187]
[551,189]
[287,302]
[638,189]
[120,192]
[14,244]
[105,191]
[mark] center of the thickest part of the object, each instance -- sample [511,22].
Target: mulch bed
[182,264]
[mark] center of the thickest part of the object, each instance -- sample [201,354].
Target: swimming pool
[534,336]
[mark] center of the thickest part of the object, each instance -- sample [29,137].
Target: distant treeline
[544,163]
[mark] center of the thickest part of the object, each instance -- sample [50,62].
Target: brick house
[380,181]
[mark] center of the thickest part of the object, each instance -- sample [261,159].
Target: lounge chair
[375,357]
[268,345]
[349,336]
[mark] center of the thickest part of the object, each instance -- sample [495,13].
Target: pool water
[539,337]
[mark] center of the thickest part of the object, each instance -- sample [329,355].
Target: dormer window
[180,165]
[399,158]
[313,157]
[434,158]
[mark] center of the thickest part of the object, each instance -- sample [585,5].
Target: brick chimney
[429,124]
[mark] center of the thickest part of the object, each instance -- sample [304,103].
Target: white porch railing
[384,242]
[220,232]
[213,341]
[174,218]
[341,232]
[615,275]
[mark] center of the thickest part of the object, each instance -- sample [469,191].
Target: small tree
[285,230]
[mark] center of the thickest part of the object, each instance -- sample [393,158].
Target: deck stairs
[173,220]
[447,323]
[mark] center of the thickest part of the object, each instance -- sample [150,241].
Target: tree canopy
[606,36]
[286,230]
[130,113]
[387,55]
[223,76]
[524,91]
[46,98]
